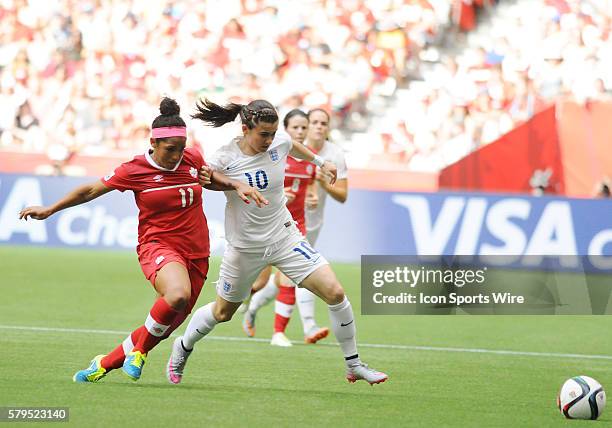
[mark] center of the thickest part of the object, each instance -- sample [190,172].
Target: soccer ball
[581,397]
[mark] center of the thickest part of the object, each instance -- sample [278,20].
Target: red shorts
[154,256]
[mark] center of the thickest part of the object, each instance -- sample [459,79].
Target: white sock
[305,301]
[202,322]
[263,296]
[343,326]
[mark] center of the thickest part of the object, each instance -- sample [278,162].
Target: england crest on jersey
[273,155]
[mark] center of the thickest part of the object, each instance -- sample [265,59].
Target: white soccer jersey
[314,218]
[247,225]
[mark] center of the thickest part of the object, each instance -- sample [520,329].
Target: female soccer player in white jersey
[258,237]
[300,186]
[318,131]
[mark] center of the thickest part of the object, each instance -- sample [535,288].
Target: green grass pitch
[246,382]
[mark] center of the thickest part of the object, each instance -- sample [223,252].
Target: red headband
[169,131]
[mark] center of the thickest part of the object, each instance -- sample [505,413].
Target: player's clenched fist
[312,200]
[204,175]
[327,173]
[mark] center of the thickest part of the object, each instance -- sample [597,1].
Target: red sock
[115,358]
[158,322]
[285,301]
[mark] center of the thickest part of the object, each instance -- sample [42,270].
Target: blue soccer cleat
[133,363]
[93,373]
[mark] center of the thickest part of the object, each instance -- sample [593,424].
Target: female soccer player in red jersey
[173,241]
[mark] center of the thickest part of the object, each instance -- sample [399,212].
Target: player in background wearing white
[318,132]
[258,237]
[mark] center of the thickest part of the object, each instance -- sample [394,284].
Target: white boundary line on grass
[361,345]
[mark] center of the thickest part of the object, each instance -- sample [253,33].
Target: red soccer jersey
[298,175]
[169,202]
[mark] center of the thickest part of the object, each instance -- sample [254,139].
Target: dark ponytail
[214,115]
[250,115]
[169,116]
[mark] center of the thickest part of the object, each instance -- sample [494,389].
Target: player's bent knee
[337,295]
[334,294]
[178,299]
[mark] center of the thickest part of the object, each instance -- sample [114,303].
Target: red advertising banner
[514,162]
[585,136]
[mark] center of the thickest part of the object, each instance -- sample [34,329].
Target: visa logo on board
[469,218]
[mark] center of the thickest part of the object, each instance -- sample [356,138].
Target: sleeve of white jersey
[282,142]
[341,165]
[220,159]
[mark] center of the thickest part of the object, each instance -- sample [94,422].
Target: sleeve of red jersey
[198,158]
[118,179]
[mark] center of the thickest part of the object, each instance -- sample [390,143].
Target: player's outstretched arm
[214,180]
[300,151]
[80,195]
[338,191]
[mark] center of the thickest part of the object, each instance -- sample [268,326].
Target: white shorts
[292,255]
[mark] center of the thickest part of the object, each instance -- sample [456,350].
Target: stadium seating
[413,85]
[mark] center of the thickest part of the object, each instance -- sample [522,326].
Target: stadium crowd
[81,76]
[529,55]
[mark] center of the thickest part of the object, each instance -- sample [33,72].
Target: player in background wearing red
[173,241]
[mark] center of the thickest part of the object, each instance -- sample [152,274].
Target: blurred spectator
[540,181]
[81,74]
[530,54]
